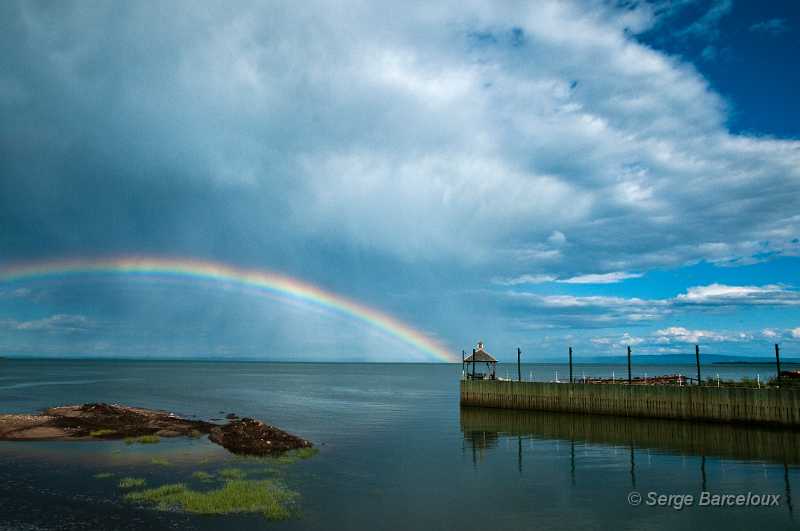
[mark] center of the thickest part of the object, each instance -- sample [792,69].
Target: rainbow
[267,282]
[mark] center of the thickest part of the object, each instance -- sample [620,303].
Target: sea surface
[396,452]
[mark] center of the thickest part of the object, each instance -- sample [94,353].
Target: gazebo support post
[473,364]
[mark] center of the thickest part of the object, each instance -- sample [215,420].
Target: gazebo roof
[480,356]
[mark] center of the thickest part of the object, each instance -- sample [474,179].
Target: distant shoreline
[766,362]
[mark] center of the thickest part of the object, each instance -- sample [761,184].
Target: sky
[534,174]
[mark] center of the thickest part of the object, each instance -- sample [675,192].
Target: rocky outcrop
[99,421]
[253,437]
[114,421]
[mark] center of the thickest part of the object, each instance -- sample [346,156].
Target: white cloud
[524,279]
[557,239]
[725,295]
[601,278]
[673,339]
[54,323]
[770,333]
[683,335]
[596,311]
[17,293]
[707,26]
[583,311]
[711,295]
[594,278]
[773,26]
[622,341]
[795,332]
[572,301]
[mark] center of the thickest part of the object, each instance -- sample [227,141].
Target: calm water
[396,452]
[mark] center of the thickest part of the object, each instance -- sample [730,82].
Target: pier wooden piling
[570,365]
[697,359]
[779,407]
[629,365]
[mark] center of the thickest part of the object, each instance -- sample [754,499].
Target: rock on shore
[114,421]
[253,437]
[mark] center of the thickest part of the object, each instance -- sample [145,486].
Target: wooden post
[697,358]
[519,366]
[473,364]
[570,365]
[778,361]
[629,365]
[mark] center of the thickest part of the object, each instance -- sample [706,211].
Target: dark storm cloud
[222,132]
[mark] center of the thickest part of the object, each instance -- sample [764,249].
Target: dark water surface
[396,452]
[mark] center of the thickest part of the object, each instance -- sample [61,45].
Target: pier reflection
[482,427]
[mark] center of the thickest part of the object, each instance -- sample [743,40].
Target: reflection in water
[114,453]
[703,472]
[484,427]
[571,461]
[479,441]
[633,468]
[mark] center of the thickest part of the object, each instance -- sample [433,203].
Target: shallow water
[396,452]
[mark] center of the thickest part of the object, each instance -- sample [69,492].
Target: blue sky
[593,174]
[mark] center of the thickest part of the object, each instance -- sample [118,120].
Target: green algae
[231,473]
[143,439]
[305,453]
[203,476]
[129,483]
[293,456]
[102,433]
[289,457]
[269,498]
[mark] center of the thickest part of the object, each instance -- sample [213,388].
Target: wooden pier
[778,407]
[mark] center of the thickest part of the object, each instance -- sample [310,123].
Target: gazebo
[479,356]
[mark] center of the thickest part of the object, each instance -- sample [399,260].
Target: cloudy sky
[532,174]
